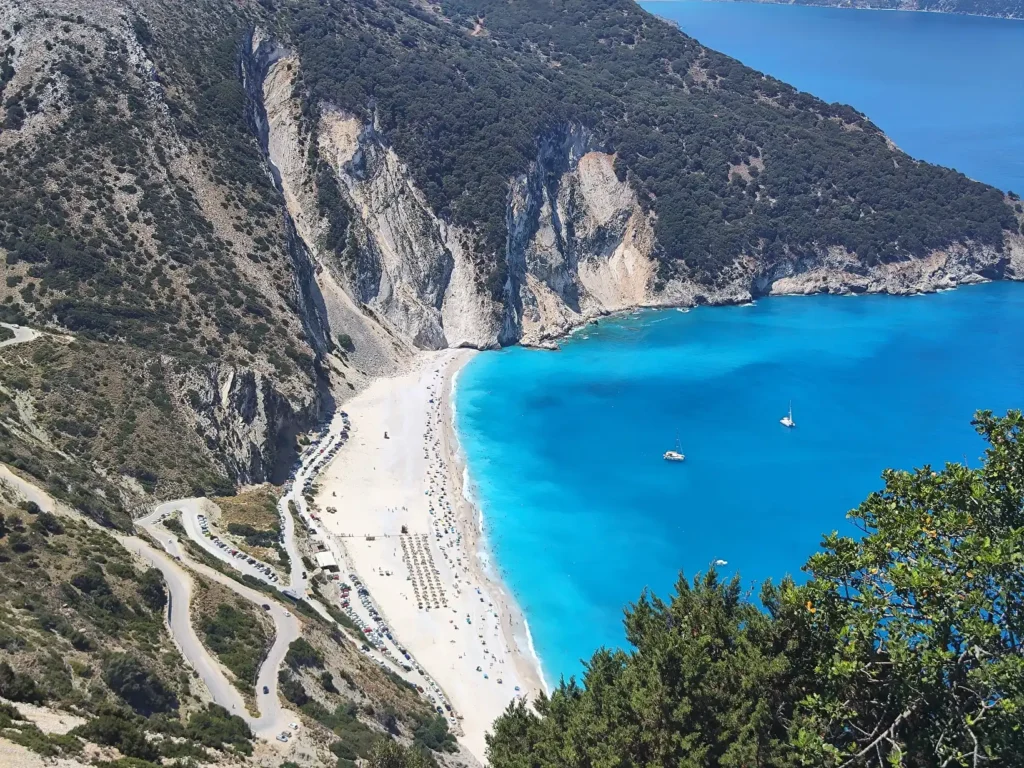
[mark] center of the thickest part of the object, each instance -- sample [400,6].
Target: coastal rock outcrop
[395,276]
[579,245]
[243,420]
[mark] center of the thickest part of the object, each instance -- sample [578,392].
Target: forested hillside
[469,172]
[731,162]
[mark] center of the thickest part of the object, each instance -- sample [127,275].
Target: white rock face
[579,245]
[239,413]
[416,271]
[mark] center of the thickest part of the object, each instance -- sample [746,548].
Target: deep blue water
[947,89]
[565,448]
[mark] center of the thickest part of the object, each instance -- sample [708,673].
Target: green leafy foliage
[391,754]
[731,161]
[143,691]
[216,727]
[18,687]
[302,654]
[254,537]
[124,733]
[238,639]
[152,589]
[902,647]
[355,739]
[432,733]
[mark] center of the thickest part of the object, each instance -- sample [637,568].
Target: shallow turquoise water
[565,448]
[946,88]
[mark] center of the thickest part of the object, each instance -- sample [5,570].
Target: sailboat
[787,420]
[676,455]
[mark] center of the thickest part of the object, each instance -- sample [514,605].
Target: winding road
[273,718]
[21,334]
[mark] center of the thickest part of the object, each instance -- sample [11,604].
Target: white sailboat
[787,420]
[676,455]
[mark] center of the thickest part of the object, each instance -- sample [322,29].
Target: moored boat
[787,420]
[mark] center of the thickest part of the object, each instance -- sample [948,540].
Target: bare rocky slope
[232,217]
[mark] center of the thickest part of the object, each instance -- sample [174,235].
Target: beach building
[326,562]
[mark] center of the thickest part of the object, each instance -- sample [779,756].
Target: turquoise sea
[945,88]
[564,449]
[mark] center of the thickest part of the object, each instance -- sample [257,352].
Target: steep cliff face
[579,243]
[403,278]
[841,272]
[243,420]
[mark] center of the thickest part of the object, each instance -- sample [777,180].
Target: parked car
[266,606]
[266,689]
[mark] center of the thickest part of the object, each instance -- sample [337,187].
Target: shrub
[302,654]
[152,589]
[215,726]
[142,690]
[18,687]
[114,729]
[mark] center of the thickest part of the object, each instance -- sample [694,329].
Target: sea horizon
[941,86]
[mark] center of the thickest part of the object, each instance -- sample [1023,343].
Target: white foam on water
[536,657]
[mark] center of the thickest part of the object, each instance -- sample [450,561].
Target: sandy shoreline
[430,582]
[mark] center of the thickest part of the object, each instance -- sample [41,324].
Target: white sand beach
[454,618]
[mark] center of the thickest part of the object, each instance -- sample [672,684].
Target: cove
[564,448]
[946,88]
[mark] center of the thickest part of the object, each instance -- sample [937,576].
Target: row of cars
[266,570]
[284,736]
[377,634]
[323,454]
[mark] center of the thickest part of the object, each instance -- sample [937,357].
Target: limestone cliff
[579,243]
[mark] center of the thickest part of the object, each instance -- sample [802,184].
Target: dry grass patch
[256,507]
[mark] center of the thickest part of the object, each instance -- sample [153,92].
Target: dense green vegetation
[141,689]
[302,654]
[254,537]
[432,733]
[731,161]
[238,638]
[902,648]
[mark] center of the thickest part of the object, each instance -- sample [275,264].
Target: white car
[293,726]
